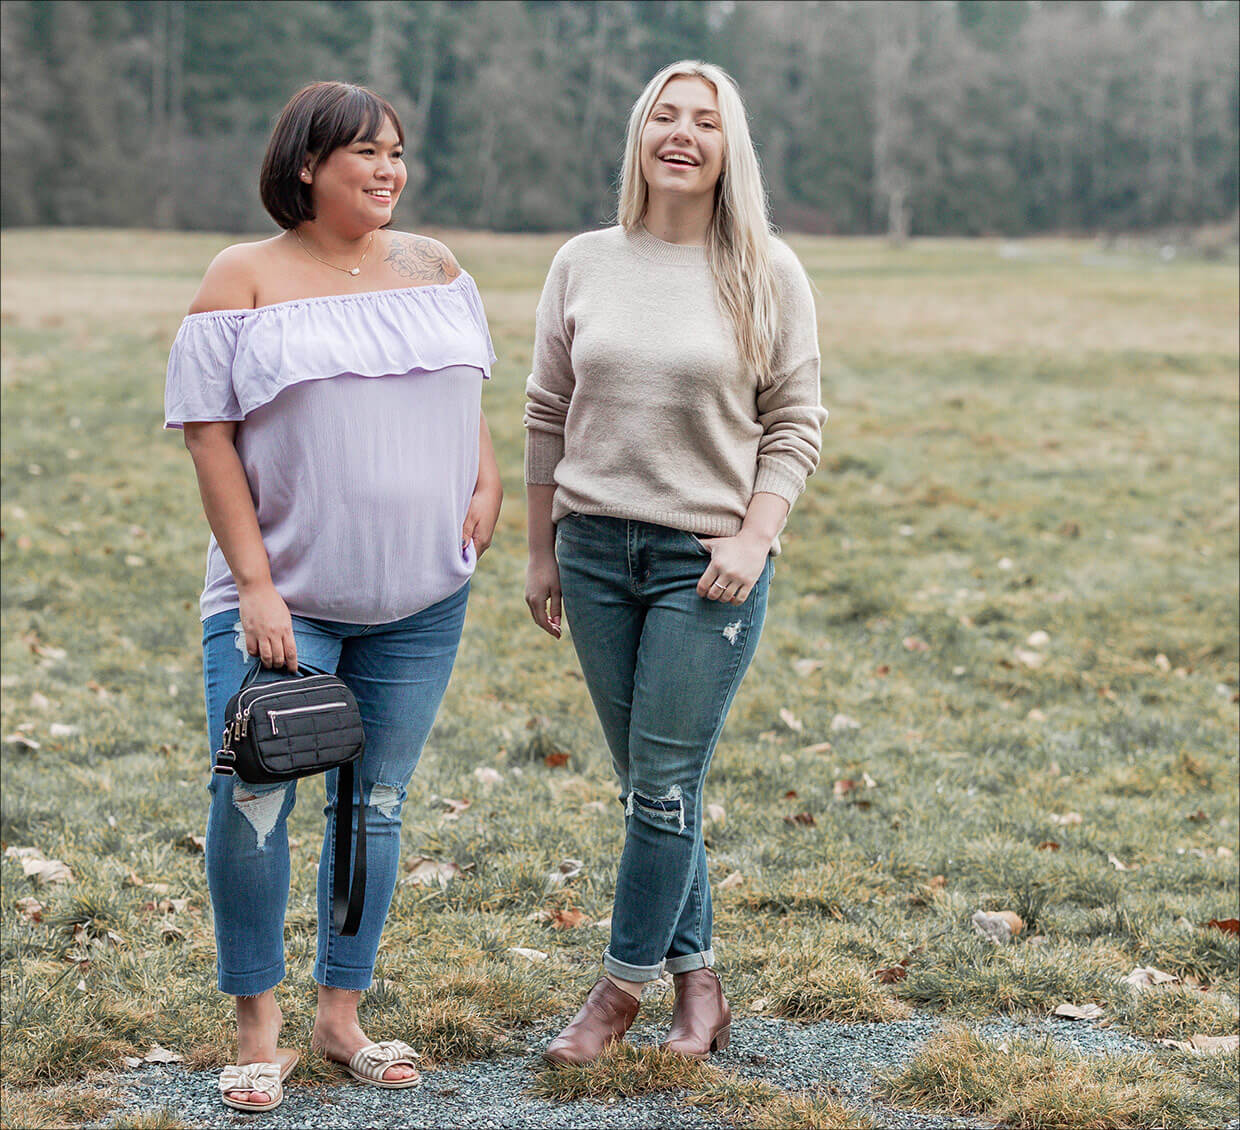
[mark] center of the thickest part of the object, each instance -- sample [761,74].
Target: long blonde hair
[738,244]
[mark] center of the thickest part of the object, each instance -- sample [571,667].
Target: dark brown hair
[318,119]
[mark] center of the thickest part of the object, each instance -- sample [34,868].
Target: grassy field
[999,673]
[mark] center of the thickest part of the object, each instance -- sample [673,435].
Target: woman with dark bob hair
[328,381]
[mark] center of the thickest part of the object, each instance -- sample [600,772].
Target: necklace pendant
[355,270]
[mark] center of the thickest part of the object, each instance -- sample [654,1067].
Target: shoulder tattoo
[414,257]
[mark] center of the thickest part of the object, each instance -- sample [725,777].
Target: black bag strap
[302,670]
[346,901]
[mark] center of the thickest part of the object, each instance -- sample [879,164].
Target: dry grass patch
[1176,1012]
[1030,1085]
[53,1107]
[623,1071]
[846,994]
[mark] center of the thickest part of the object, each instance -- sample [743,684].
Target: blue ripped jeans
[662,665]
[398,672]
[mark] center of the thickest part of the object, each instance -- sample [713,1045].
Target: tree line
[896,116]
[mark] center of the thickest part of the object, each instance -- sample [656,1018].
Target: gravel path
[493,1093]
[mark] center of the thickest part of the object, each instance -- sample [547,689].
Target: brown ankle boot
[701,1019]
[604,1018]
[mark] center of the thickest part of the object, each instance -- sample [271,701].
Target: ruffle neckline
[225,364]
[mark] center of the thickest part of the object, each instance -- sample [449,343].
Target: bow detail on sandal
[369,1064]
[266,1078]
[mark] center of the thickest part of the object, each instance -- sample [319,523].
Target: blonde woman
[672,418]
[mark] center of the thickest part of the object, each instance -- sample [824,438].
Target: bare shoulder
[231,281]
[420,259]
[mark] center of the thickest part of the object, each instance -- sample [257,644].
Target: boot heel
[722,1038]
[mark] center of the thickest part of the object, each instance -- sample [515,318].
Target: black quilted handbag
[298,727]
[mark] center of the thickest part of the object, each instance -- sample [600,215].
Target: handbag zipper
[242,718]
[274,714]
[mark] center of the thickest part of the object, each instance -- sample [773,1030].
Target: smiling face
[357,185]
[682,140]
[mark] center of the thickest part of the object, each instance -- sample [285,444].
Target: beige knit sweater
[639,406]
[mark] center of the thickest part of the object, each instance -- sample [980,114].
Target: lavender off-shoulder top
[358,431]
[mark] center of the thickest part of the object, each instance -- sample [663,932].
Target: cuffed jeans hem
[684,962]
[636,973]
[355,980]
[250,984]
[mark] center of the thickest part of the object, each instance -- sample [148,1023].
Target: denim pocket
[697,542]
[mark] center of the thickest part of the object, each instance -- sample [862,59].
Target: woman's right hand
[268,626]
[542,593]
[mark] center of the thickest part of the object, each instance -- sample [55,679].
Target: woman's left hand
[736,563]
[480,519]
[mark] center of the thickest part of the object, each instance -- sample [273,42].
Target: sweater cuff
[543,452]
[775,478]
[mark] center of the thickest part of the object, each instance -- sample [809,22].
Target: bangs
[357,115]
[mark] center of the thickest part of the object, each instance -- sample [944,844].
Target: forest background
[938,118]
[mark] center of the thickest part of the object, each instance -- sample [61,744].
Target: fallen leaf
[487,775]
[603,923]
[999,927]
[790,794]
[868,781]
[96,689]
[843,787]
[1038,639]
[759,1004]
[1028,658]
[890,975]
[1048,845]
[806,667]
[568,919]
[1197,817]
[131,1061]
[1118,864]
[716,814]
[161,1055]
[427,872]
[913,643]
[170,931]
[937,882]
[1142,977]
[528,954]
[790,720]
[60,730]
[805,819]
[30,909]
[1227,925]
[40,701]
[565,870]
[1078,1012]
[1066,819]
[1035,715]
[1205,1045]
[882,670]
[818,747]
[555,760]
[34,866]
[1162,662]
[452,807]
[735,879]
[844,722]
[22,741]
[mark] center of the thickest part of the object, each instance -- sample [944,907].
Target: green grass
[1041,445]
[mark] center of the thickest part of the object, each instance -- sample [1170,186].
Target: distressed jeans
[398,673]
[662,665]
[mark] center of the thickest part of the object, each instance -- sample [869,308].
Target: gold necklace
[347,270]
